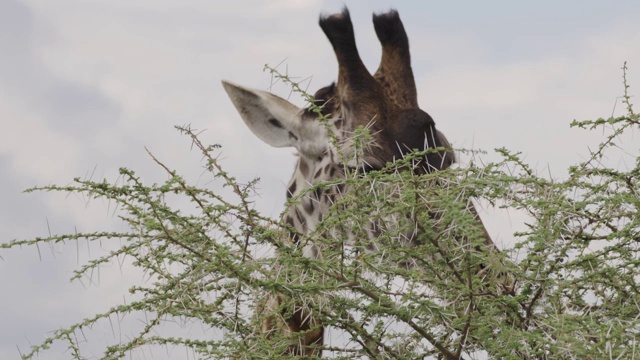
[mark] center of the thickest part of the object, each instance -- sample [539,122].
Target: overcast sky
[86,85]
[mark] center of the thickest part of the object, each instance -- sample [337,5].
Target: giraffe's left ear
[276,121]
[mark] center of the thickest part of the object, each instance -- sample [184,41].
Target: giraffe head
[385,103]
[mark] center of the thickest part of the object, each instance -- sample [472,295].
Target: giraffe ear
[273,119]
[276,121]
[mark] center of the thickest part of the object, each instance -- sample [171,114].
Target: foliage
[568,288]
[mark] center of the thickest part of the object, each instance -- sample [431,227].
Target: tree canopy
[567,288]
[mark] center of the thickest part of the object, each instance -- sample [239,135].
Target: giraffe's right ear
[274,120]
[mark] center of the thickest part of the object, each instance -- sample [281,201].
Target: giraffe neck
[305,214]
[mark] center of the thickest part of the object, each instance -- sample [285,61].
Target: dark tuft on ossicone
[389,28]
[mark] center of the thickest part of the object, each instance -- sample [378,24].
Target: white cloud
[497,88]
[36,152]
[292,4]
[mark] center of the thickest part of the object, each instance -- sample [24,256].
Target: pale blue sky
[85,86]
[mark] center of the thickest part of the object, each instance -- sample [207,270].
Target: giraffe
[385,102]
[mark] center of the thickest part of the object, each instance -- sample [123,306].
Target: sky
[85,86]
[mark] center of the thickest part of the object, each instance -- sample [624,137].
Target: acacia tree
[567,288]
